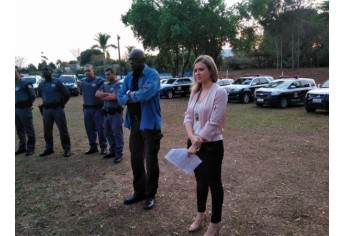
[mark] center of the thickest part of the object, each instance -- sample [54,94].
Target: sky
[54,28]
[57,27]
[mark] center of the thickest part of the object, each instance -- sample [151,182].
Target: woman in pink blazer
[204,124]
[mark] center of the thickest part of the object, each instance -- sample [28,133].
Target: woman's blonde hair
[209,62]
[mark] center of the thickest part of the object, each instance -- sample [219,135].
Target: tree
[31,68]
[19,61]
[76,54]
[286,30]
[86,56]
[102,40]
[170,27]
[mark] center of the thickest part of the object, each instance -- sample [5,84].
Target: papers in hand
[181,160]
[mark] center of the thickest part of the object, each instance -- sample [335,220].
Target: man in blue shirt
[55,95]
[113,117]
[140,93]
[93,117]
[25,96]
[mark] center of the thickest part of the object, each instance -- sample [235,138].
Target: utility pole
[118,48]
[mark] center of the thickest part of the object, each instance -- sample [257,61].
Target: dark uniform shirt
[111,87]
[24,92]
[53,92]
[88,89]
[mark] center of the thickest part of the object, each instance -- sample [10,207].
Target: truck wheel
[245,98]
[170,94]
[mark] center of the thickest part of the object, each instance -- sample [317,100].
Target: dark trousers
[208,175]
[25,129]
[114,133]
[58,116]
[94,125]
[144,147]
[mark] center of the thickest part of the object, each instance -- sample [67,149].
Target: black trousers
[208,176]
[144,147]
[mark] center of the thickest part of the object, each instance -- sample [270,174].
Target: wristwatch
[128,92]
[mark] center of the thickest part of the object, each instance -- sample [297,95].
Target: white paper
[179,158]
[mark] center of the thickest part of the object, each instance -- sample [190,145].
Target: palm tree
[102,40]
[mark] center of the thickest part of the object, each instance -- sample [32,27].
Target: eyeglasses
[45,69]
[87,71]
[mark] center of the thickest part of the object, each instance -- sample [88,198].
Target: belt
[113,111]
[93,106]
[23,105]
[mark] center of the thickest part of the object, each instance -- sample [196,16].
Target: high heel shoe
[199,220]
[213,229]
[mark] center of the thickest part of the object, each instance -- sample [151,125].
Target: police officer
[113,116]
[55,95]
[25,96]
[93,117]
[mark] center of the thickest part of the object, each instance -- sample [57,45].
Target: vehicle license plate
[260,100]
[316,100]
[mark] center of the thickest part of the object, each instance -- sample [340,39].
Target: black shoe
[117,160]
[109,155]
[91,151]
[20,151]
[29,153]
[149,203]
[46,153]
[103,151]
[67,153]
[134,198]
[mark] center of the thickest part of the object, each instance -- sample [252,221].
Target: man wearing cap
[55,95]
[113,117]
[92,107]
[25,96]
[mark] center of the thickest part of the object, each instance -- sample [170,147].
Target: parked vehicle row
[71,82]
[176,86]
[284,92]
[225,83]
[243,88]
[317,98]
[262,90]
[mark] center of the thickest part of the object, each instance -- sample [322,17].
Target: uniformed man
[25,96]
[113,119]
[93,116]
[55,95]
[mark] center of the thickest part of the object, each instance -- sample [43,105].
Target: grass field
[275,177]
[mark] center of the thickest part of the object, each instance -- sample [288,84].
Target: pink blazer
[212,113]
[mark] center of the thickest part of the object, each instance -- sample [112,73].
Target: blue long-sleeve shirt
[148,95]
